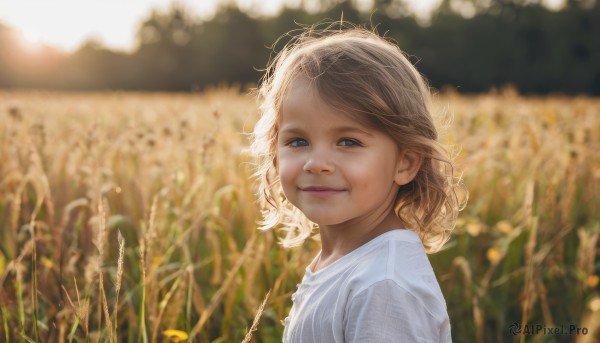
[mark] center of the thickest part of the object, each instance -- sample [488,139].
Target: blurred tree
[392,8]
[93,66]
[163,49]
[237,49]
[343,10]
[469,44]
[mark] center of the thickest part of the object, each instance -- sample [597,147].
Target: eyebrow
[339,129]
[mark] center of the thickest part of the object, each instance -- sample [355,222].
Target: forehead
[302,91]
[302,104]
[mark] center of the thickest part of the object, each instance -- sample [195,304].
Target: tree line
[470,45]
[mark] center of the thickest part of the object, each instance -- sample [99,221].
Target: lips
[321,191]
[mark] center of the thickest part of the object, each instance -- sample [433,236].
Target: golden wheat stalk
[104,303]
[81,311]
[214,301]
[119,278]
[257,317]
[163,307]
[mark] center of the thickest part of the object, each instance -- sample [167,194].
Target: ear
[408,165]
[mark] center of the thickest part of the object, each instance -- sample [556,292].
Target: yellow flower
[46,262]
[175,335]
[592,281]
[474,229]
[493,255]
[550,117]
[504,227]
[594,305]
[156,260]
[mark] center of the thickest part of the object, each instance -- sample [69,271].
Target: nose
[319,162]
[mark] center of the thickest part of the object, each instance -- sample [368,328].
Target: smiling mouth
[321,191]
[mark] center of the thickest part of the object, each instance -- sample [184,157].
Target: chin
[323,216]
[324,220]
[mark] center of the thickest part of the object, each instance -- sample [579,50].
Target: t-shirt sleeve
[385,312]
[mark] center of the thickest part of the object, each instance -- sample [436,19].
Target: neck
[339,240]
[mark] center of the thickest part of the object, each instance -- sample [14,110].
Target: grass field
[131,218]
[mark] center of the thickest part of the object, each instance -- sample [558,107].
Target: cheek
[372,176]
[287,171]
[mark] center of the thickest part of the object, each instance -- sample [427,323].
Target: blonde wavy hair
[370,79]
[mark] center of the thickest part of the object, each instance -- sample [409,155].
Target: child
[346,142]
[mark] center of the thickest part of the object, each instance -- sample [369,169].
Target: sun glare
[40,27]
[31,41]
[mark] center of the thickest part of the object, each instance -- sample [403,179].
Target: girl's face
[335,170]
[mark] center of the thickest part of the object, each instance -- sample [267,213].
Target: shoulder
[386,311]
[400,268]
[396,255]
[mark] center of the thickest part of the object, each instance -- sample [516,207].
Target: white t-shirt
[383,291]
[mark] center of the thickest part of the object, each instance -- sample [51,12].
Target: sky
[66,24]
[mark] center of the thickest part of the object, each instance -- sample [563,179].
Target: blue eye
[349,142]
[297,142]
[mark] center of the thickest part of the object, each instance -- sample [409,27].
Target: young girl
[346,143]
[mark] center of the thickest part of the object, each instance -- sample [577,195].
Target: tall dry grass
[131,218]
